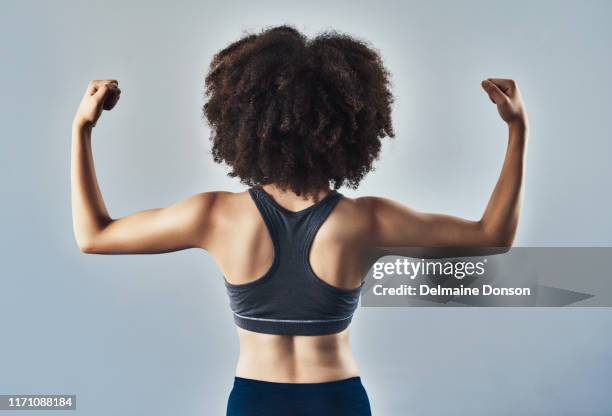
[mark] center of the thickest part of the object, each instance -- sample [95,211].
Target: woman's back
[246,255]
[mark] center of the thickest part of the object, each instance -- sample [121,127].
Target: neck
[290,199]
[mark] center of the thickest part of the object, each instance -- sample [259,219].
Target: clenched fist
[505,94]
[100,95]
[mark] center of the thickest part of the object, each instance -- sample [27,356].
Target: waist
[295,359]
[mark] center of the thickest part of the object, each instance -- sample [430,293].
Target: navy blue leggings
[264,398]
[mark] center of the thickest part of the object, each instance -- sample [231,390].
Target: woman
[295,119]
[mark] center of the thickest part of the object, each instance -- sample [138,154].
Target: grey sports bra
[289,299]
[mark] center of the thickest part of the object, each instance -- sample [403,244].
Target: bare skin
[229,227]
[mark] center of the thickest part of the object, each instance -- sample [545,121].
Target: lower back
[295,359]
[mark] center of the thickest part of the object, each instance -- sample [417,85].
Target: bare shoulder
[366,214]
[376,208]
[354,216]
[364,207]
[217,215]
[221,205]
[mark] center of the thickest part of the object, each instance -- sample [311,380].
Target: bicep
[179,226]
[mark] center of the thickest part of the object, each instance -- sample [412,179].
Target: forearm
[89,214]
[500,218]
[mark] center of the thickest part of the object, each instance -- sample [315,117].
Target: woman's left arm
[182,225]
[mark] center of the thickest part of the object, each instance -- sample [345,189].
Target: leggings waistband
[262,383]
[345,397]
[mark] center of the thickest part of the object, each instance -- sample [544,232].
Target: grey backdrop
[153,334]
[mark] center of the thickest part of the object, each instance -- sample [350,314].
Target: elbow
[503,247]
[500,240]
[88,243]
[87,250]
[86,246]
[503,241]
[88,239]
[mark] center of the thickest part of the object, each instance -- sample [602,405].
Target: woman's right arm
[436,235]
[182,225]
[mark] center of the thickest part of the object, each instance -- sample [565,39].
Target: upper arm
[420,234]
[184,224]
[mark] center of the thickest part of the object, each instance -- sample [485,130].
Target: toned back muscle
[242,247]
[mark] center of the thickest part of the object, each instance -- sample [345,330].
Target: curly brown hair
[303,114]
